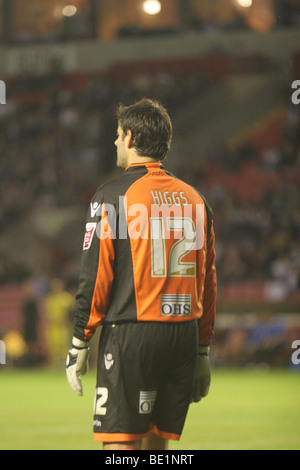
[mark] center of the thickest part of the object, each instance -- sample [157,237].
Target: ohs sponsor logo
[175,305]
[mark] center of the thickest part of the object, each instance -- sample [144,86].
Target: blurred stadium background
[224,69]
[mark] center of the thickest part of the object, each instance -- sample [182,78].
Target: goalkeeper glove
[77,364]
[202,375]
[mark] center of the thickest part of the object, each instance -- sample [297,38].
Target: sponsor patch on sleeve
[89,234]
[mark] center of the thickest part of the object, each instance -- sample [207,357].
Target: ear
[129,139]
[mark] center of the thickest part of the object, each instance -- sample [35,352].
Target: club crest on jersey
[175,305]
[89,233]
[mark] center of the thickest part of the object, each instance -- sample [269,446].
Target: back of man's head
[150,125]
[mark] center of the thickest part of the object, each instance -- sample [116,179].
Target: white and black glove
[202,375]
[77,364]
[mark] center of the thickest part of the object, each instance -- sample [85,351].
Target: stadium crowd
[255,195]
[58,142]
[58,146]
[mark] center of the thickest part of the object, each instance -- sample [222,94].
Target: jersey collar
[145,164]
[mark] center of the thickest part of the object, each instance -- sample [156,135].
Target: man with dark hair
[148,277]
[151,128]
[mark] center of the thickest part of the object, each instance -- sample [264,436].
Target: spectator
[30,324]
[58,305]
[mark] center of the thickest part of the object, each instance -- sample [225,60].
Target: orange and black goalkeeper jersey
[148,254]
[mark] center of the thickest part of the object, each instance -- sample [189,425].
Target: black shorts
[145,380]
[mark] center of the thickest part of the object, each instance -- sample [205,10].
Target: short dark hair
[150,125]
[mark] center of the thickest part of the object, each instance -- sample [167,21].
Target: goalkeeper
[148,277]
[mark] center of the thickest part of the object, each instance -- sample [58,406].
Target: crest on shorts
[108,361]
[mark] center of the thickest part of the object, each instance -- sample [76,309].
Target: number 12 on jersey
[179,249]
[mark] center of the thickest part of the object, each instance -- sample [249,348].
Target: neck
[138,159]
[134,158]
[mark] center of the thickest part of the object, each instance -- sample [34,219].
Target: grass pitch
[245,410]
